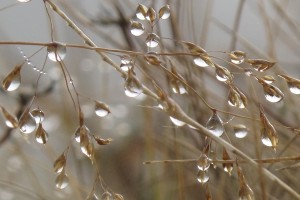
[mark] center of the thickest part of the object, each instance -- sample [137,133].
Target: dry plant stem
[177,111]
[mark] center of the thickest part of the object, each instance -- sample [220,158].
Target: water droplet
[260,65]
[177,87]
[13,80]
[268,79]
[202,176]
[215,125]
[203,162]
[38,115]
[268,133]
[24,1]
[137,28]
[240,130]
[106,196]
[62,181]
[200,62]
[27,123]
[10,120]
[57,51]
[293,83]
[237,57]
[141,12]
[227,166]
[164,12]
[41,135]
[86,143]
[272,93]
[151,15]
[152,40]
[177,122]
[152,58]
[77,133]
[223,74]
[132,87]
[101,109]
[59,163]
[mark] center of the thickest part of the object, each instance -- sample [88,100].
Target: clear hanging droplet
[215,125]
[260,65]
[38,115]
[106,196]
[137,28]
[200,62]
[126,63]
[13,80]
[151,15]
[132,87]
[203,162]
[27,123]
[59,163]
[269,79]
[101,109]
[41,135]
[240,131]
[141,12]
[223,74]
[57,51]
[62,181]
[237,98]
[202,177]
[164,12]
[268,133]
[10,120]
[152,40]
[237,57]
[77,133]
[177,122]
[293,84]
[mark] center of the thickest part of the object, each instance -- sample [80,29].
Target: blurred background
[263,29]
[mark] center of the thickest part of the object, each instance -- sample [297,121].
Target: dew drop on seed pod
[27,123]
[164,12]
[269,79]
[240,131]
[57,51]
[177,122]
[152,40]
[237,57]
[132,87]
[101,109]
[203,162]
[227,166]
[10,120]
[118,197]
[215,125]
[41,135]
[86,143]
[23,1]
[59,163]
[141,12]
[293,84]
[62,181]
[202,176]
[260,64]
[77,133]
[13,80]
[268,133]
[136,28]
[38,115]
[126,63]
[273,94]
[222,73]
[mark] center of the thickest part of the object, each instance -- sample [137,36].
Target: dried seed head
[10,120]
[237,98]
[268,133]
[227,166]
[245,192]
[41,135]
[101,109]
[152,58]
[272,93]
[152,40]
[260,64]
[240,130]
[151,15]
[13,80]
[164,12]
[101,141]
[118,197]
[293,83]
[60,163]
[223,74]
[268,79]
[141,12]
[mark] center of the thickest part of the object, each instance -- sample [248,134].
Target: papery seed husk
[141,12]
[151,15]
[59,163]
[14,77]
[164,12]
[260,64]
[10,120]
